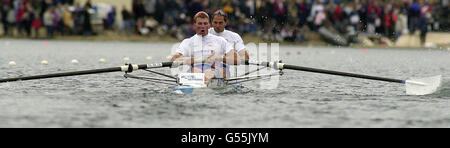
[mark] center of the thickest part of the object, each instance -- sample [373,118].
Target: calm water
[301,100]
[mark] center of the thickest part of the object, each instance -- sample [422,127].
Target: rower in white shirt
[219,22]
[212,50]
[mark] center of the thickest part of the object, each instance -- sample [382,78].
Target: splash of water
[444,90]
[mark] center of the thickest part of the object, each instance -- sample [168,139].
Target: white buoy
[12,63]
[126,59]
[74,61]
[149,58]
[102,60]
[44,62]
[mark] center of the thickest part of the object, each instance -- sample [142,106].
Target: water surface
[301,99]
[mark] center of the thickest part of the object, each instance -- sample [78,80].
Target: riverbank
[435,40]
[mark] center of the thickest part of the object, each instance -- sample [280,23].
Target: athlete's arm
[185,60]
[176,56]
[240,47]
[243,54]
[231,58]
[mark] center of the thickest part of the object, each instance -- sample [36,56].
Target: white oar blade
[423,86]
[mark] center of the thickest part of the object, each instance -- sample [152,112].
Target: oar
[126,68]
[420,86]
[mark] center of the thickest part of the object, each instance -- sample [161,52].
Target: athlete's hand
[185,60]
[213,58]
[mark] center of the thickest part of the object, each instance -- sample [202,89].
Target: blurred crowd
[26,17]
[279,20]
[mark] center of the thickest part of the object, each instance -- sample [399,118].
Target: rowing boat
[188,83]
[215,84]
[191,83]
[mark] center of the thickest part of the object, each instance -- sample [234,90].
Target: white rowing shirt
[232,38]
[201,47]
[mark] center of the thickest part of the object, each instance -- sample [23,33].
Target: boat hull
[213,86]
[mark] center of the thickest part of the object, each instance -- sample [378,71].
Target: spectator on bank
[317,15]
[287,33]
[151,24]
[141,28]
[336,14]
[20,11]
[445,17]
[371,21]
[68,21]
[423,29]
[316,8]
[352,27]
[186,29]
[320,18]
[160,9]
[280,12]
[413,16]
[149,6]
[388,23]
[77,20]
[264,16]
[36,25]
[354,17]
[138,9]
[303,12]
[423,20]
[27,18]
[401,25]
[58,23]
[110,19]
[169,26]
[87,28]
[3,15]
[196,6]
[126,21]
[299,35]
[11,21]
[49,21]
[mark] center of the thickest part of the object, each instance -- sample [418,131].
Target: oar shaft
[293,67]
[128,68]
[75,73]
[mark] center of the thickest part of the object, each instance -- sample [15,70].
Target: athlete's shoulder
[234,35]
[215,37]
[185,41]
[188,40]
